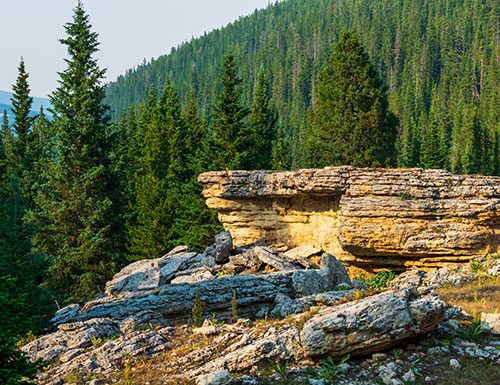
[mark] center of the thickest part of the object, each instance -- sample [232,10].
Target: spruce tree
[78,217]
[281,149]
[351,123]
[5,133]
[21,107]
[434,154]
[231,134]
[196,135]
[262,125]
[23,305]
[410,146]
[150,233]
[474,160]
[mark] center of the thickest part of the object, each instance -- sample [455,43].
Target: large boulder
[372,324]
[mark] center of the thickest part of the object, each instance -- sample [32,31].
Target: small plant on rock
[475,267]
[474,331]
[214,322]
[198,310]
[414,369]
[96,342]
[329,370]
[379,281]
[280,369]
[342,287]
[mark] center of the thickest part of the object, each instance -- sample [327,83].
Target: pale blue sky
[129,30]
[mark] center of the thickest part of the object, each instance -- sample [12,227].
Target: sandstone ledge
[369,218]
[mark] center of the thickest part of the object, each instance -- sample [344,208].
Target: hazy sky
[129,31]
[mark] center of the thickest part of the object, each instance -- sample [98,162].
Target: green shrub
[198,310]
[379,281]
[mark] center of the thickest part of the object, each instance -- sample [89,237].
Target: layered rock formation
[368,218]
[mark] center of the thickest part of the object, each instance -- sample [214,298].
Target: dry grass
[473,372]
[474,298]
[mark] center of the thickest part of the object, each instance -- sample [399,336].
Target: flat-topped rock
[369,218]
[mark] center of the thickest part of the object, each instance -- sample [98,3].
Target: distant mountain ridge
[6,105]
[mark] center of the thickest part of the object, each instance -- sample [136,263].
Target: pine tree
[23,305]
[150,233]
[231,134]
[434,154]
[351,123]
[21,107]
[474,159]
[78,216]
[5,133]
[281,149]
[195,137]
[411,146]
[262,125]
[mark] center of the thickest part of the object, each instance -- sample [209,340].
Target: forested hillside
[440,60]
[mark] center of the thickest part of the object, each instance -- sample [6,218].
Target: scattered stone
[454,364]
[218,378]
[409,376]
[205,330]
[222,248]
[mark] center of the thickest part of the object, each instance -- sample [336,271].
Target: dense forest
[440,60]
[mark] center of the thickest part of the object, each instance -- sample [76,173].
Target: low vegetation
[475,297]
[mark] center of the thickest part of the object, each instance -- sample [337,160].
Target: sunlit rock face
[368,218]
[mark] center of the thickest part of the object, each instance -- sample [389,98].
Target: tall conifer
[262,125]
[21,107]
[352,123]
[231,134]
[435,154]
[78,219]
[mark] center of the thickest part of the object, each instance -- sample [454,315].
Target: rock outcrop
[368,218]
[163,290]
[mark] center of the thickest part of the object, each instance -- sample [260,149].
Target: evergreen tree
[5,134]
[23,305]
[196,135]
[281,149]
[78,216]
[434,153]
[149,234]
[474,159]
[351,123]
[262,125]
[231,136]
[21,107]
[411,146]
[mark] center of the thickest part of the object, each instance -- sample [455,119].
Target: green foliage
[342,287]
[281,149]
[232,141]
[329,370]
[379,281]
[197,310]
[21,107]
[24,307]
[434,154]
[442,54]
[280,369]
[475,266]
[351,121]
[262,126]
[78,216]
[474,330]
